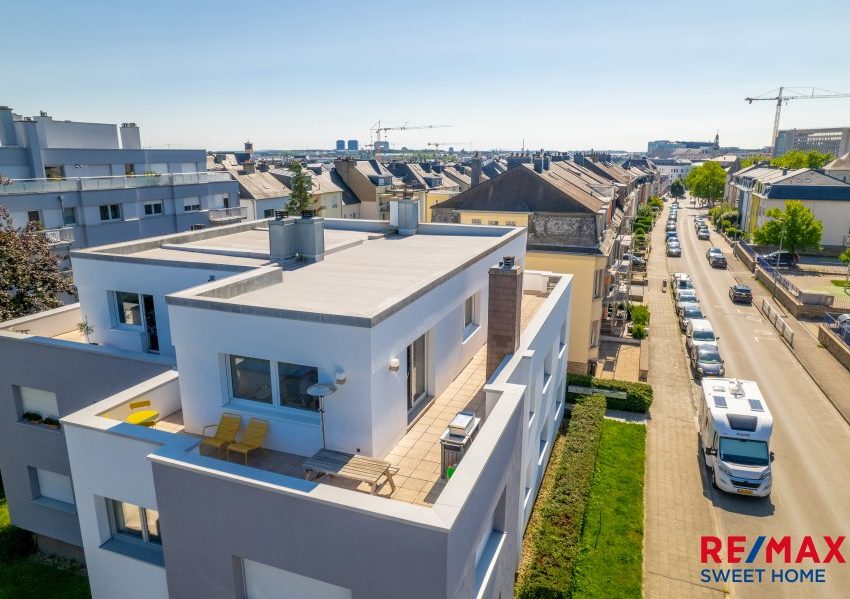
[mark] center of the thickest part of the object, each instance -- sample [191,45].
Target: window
[54,172]
[191,204]
[476,221]
[469,312]
[54,486]
[251,379]
[510,223]
[129,169]
[262,580]
[492,222]
[268,213]
[132,523]
[69,216]
[594,333]
[38,401]
[128,308]
[598,281]
[294,380]
[33,216]
[110,212]
[153,208]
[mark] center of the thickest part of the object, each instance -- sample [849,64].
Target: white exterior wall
[96,278]
[66,134]
[835,216]
[104,465]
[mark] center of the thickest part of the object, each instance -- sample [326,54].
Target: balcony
[60,236]
[221,216]
[28,186]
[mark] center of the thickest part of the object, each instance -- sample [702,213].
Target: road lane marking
[767,332]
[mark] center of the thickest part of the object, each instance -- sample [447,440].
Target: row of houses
[754,190]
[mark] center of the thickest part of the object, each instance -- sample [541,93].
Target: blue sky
[302,74]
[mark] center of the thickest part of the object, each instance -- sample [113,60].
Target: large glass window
[69,216]
[294,381]
[153,208]
[251,379]
[747,453]
[110,212]
[128,308]
[131,522]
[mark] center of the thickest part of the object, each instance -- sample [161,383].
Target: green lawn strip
[610,563]
[22,576]
[549,563]
[839,282]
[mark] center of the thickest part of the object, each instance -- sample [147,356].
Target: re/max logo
[781,548]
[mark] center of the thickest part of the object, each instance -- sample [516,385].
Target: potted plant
[85,329]
[32,417]
[51,422]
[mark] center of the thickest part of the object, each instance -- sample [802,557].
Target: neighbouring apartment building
[371,182]
[577,217]
[407,323]
[834,140]
[92,183]
[758,188]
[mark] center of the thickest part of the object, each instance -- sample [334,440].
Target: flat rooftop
[366,279]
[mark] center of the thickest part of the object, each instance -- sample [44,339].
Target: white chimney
[404,215]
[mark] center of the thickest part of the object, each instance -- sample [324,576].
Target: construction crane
[786,93]
[379,131]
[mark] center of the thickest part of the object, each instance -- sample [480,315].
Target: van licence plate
[745,492]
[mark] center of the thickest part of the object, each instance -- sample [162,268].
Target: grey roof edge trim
[161,262]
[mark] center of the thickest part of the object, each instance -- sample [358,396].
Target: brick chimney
[504,304]
[475,177]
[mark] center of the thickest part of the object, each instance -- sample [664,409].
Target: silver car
[674,250]
[706,361]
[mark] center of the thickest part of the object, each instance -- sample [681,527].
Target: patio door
[415,372]
[150,323]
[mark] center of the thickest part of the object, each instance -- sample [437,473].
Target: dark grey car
[706,361]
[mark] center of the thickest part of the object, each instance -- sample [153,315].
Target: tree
[795,228]
[750,160]
[707,181]
[799,159]
[300,199]
[29,272]
[677,189]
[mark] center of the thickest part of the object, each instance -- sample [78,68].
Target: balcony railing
[63,235]
[227,215]
[24,186]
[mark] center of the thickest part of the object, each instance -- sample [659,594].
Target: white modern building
[673,168]
[408,323]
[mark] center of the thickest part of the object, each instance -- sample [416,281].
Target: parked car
[741,293]
[706,361]
[671,226]
[716,258]
[682,306]
[703,233]
[686,296]
[682,284]
[782,258]
[671,235]
[674,250]
[636,260]
[689,312]
[699,332]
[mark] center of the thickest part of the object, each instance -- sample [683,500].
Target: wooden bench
[350,466]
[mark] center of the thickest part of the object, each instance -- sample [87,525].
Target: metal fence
[747,248]
[779,277]
[831,322]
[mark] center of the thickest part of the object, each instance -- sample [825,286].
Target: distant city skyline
[608,76]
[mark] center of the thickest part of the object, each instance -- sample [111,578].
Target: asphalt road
[811,490]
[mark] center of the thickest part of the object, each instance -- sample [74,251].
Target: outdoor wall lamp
[341,377]
[394,364]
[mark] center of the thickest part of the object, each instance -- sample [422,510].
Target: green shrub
[15,543]
[639,314]
[656,201]
[639,228]
[560,515]
[639,331]
[638,395]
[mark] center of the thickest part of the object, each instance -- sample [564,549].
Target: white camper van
[735,427]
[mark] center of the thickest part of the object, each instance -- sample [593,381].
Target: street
[811,472]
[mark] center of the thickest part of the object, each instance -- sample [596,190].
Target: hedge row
[559,516]
[638,395]
[15,544]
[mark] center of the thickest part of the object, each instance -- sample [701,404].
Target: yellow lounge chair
[254,438]
[225,432]
[140,416]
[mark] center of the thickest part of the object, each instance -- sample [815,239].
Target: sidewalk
[832,378]
[676,511]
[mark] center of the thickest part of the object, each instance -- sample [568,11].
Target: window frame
[276,404]
[153,205]
[194,206]
[112,505]
[117,312]
[114,212]
[73,221]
